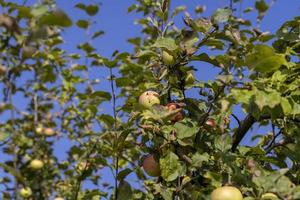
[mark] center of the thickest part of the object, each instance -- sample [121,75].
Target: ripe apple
[59,198]
[167,58]
[25,192]
[49,132]
[148,99]
[36,164]
[226,193]
[211,123]
[151,166]
[269,196]
[179,116]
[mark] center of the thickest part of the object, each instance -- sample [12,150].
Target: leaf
[169,166]
[97,34]
[82,24]
[264,59]
[92,10]
[221,15]
[56,18]
[124,191]
[122,174]
[39,10]
[167,43]
[223,142]
[102,94]
[205,58]
[178,10]
[198,159]
[286,106]
[186,129]
[261,6]
[4,135]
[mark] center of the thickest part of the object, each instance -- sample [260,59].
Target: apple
[25,192]
[226,193]
[36,164]
[269,196]
[211,123]
[49,132]
[151,166]
[59,198]
[45,131]
[2,70]
[167,58]
[178,116]
[148,99]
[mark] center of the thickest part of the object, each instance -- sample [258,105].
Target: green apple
[226,193]
[25,192]
[36,164]
[148,99]
[269,196]
[151,166]
[167,58]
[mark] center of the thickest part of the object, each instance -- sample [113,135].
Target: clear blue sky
[119,26]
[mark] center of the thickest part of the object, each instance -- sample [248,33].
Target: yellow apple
[59,198]
[36,164]
[148,99]
[269,196]
[226,193]
[25,192]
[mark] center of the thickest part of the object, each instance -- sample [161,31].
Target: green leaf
[97,34]
[92,10]
[124,191]
[205,58]
[286,106]
[4,135]
[169,166]
[82,24]
[102,94]
[56,18]
[198,159]
[261,6]
[186,129]
[39,10]
[264,59]
[221,15]
[223,142]
[167,43]
[122,174]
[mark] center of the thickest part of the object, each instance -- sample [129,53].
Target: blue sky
[118,26]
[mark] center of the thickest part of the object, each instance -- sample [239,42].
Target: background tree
[156,127]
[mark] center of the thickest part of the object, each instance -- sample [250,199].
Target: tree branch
[242,130]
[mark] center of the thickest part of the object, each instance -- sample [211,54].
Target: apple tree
[167,131]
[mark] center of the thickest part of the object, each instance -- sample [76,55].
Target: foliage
[63,102]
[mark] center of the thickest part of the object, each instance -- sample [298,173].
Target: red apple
[211,123]
[179,116]
[151,166]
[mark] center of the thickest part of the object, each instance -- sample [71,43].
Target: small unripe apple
[148,99]
[211,123]
[25,192]
[2,70]
[269,196]
[179,116]
[39,130]
[167,58]
[226,193]
[151,166]
[36,164]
